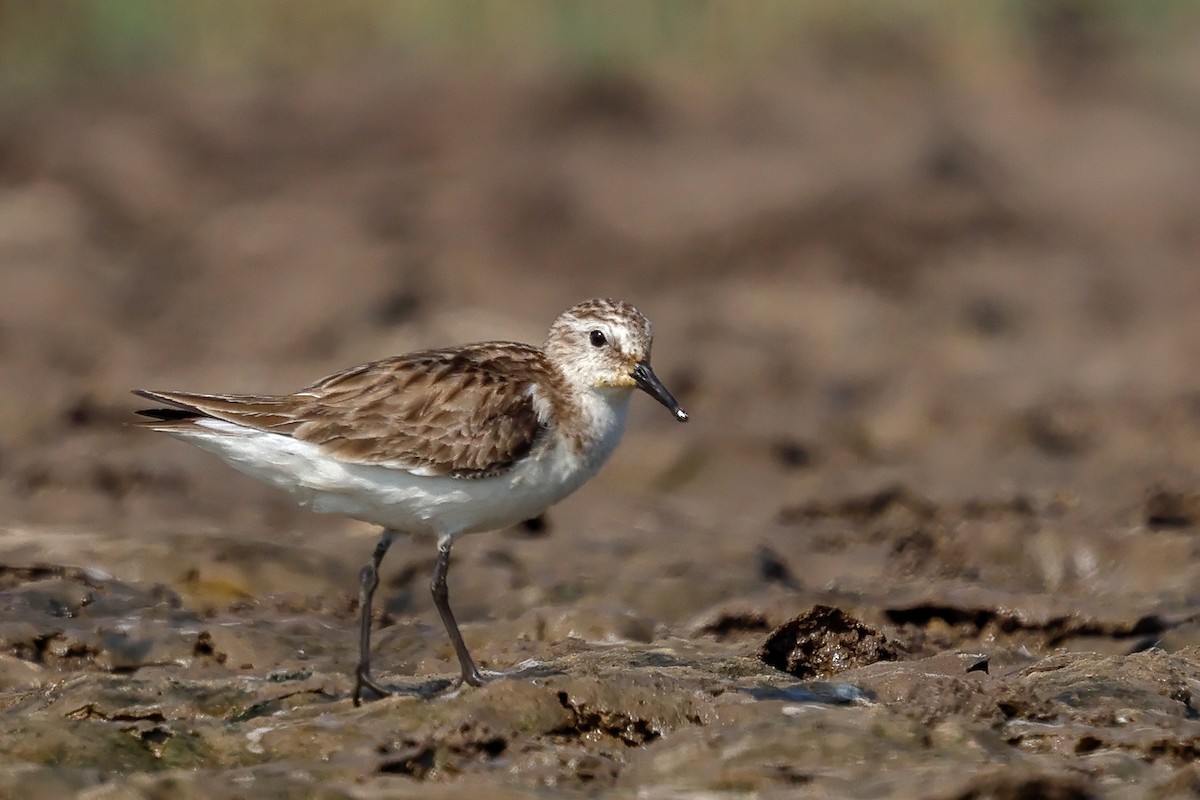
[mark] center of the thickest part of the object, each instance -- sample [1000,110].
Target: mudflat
[932,530]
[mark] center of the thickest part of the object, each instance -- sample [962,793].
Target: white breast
[398,499]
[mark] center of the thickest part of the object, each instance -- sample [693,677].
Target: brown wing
[466,412]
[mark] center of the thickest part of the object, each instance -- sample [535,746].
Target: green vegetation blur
[51,43]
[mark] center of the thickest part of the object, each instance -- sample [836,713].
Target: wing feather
[466,412]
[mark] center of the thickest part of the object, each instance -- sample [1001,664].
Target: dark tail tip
[168,414]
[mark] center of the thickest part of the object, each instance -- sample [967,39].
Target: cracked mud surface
[936,330]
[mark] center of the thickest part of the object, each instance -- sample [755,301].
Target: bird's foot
[363,680]
[480,677]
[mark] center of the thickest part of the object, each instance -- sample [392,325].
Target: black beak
[649,383]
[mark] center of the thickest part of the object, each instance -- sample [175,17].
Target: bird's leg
[441,599]
[368,580]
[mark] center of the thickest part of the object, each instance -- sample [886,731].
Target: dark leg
[368,580]
[441,599]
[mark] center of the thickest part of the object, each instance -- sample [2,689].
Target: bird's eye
[598,339]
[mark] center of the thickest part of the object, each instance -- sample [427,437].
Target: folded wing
[466,412]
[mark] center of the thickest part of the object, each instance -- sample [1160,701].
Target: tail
[168,414]
[185,408]
[179,411]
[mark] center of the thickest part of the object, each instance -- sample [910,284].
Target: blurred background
[924,272]
[949,247]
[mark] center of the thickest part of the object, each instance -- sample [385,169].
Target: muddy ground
[935,322]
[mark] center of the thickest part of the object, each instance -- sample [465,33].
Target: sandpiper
[437,442]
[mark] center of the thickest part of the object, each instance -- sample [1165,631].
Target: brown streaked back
[466,412]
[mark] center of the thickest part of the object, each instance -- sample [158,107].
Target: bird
[437,443]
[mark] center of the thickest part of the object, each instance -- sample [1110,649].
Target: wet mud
[932,531]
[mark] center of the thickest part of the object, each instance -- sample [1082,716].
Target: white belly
[398,499]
